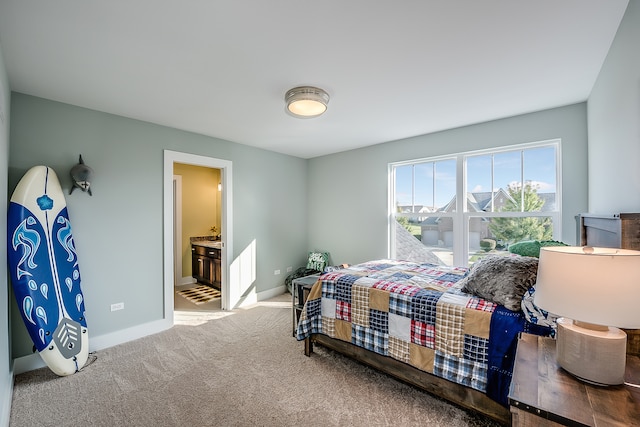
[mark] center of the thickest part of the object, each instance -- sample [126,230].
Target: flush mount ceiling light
[306,101]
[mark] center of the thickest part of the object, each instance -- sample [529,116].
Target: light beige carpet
[238,368]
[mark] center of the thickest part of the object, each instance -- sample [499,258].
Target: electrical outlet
[289,269]
[117,306]
[276,272]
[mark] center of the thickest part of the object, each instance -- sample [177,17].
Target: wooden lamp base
[595,354]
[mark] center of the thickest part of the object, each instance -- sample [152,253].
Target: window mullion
[522,181]
[413,188]
[460,223]
[493,208]
[433,185]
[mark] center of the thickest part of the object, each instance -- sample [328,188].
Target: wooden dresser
[610,231]
[620,230]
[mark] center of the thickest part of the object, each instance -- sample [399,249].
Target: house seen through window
[452,210]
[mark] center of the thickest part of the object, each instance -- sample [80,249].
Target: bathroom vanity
[206,262]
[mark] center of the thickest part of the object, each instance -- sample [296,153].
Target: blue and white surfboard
[44,271]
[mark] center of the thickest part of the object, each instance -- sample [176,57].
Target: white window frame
[462,216]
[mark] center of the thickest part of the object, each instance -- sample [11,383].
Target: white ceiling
[393,69]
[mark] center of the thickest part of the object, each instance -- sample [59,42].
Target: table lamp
[596,291]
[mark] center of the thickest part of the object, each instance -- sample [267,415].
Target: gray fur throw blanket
[501,279]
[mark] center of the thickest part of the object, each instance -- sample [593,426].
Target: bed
[451,331]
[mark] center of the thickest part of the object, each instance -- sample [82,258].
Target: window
[453,210]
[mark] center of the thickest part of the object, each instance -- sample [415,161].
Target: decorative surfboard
[44,271]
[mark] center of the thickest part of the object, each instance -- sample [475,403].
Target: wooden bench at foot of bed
[455,393]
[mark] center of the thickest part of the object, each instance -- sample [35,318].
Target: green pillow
[318,260]
[532,247]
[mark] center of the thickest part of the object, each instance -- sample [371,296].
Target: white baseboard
[27,363]
[268,294]
[187,281]
[5,405]
[253,297]
[34,361]
[129,334]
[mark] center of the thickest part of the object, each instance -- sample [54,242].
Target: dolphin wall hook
[81,176]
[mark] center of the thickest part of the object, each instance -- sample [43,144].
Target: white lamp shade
[594,285]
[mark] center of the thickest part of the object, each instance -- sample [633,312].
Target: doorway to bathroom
[197,237]
[214,221]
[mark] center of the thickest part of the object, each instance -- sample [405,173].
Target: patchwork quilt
[417,314]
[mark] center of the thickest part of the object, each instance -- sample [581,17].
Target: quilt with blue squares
[417,314]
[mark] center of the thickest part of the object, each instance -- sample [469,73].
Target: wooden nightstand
[543,394]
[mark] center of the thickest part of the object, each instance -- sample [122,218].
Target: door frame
[177,230]
[225,166]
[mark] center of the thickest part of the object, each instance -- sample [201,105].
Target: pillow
[535,314]
[501,279]
[318,260]
[332,268]
[532,247]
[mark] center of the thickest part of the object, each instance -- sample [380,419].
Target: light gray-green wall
[6,364]
[348,195]
[347,192]
[614,123]
[118,230]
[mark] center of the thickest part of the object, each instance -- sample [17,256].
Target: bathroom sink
[216,244]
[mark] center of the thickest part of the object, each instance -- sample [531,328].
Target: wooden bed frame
[620,230]
[457,394]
